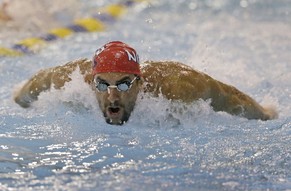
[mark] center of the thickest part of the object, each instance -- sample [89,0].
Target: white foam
[160,112]
[76,93]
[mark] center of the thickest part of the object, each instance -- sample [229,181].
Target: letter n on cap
[132,56]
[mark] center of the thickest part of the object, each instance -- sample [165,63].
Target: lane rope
[107,16]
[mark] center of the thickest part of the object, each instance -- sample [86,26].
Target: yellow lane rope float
[98,22]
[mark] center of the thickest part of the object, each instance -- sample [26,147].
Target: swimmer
[36,16]
[3,12]
[117,78]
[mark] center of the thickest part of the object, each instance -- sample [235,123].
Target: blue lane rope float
[98,22]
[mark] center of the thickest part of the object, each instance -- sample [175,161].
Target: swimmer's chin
[116,116]
[115,121]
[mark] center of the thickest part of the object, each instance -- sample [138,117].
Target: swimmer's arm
[33,87]
[228,98]
[53,77]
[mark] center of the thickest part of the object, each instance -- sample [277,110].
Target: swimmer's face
[115,103]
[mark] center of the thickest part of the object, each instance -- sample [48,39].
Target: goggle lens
[122,86]
[101,86]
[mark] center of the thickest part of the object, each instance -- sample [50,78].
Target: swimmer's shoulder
[174,80]
[165,68]
[84,65]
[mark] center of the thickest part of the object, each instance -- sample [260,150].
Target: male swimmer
[117,78]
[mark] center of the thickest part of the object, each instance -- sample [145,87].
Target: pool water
[63,143]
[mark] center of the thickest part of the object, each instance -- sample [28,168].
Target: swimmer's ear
[93,84]
[140,80]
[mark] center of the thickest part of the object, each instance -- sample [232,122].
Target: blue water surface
[63,143]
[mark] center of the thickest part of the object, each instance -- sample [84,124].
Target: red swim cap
[117,57]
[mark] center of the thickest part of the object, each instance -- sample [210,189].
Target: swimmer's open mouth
[114,110]
[115,115]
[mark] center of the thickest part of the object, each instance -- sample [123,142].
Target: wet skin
[173,80]
[116,105]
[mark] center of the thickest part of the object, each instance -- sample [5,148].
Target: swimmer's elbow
[270,112]
[263,113]
[24,99]
[21,102]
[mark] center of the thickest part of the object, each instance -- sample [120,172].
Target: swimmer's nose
[113,95]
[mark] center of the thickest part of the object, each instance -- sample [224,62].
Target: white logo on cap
[98,51]
[132,56]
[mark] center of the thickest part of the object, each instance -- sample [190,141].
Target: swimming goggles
[122,86]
